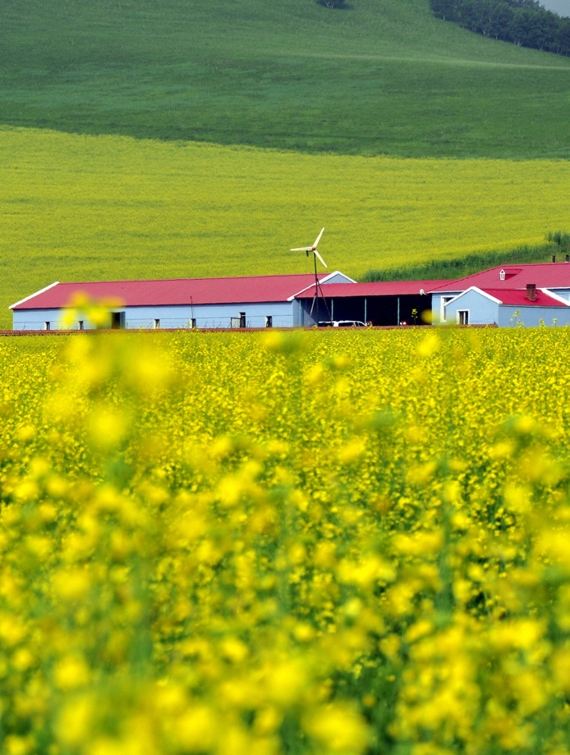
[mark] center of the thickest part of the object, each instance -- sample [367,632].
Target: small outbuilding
[509,285]
[507,308]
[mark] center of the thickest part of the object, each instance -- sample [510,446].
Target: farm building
[508,307]
[503,296]
[530,295]
[252,302]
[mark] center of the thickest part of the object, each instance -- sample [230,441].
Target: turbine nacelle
[312,249]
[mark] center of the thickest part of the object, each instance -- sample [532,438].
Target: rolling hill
[383,77]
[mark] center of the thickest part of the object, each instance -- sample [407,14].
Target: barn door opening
[117,320]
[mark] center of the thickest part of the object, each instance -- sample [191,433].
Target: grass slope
[383,77]
[459,267]
[78,207]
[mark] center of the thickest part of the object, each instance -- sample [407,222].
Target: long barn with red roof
[252,301]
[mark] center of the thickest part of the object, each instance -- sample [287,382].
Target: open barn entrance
[117,320]
[381,310]
[381,303]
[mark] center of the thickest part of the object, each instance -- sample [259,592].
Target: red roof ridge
[176,280]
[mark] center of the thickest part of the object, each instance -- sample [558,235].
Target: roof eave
[477,290]
[31,296]
[321,281]
[556,297]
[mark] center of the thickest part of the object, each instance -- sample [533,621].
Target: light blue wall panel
[283,315]
[436,305]
[337,278]
[531,317]
[36,319]
[212,315]
[482,310]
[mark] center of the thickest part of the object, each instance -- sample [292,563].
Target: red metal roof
[251,289]
[380,288]
[543,275]
[519,298]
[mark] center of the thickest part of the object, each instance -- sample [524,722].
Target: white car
[341,324]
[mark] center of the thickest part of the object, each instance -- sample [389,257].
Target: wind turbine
[312,249]
[315,252]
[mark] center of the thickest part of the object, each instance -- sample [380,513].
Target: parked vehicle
[341,324]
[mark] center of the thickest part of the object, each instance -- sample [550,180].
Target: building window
[81,325]
[242,319]
[156,323]
[463,317]
[445,300]
[193,323]
[47,325]
[269,321]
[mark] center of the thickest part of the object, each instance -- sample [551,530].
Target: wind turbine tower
[318,288]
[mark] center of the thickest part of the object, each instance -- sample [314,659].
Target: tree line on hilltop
[524,22]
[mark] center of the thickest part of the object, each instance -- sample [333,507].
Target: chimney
[554,258]
[531,291]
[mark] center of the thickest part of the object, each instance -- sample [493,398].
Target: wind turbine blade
[302,249]
[319,256]
[315,245]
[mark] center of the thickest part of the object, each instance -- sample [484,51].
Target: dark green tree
[523,22]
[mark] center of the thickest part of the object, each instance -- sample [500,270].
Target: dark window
[117,320]
[463,317]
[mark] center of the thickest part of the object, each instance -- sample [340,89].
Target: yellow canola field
[89,208]
[319,543]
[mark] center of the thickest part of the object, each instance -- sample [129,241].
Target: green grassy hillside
[382,77]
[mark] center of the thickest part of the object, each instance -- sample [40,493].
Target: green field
[379,78]
[105,207]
